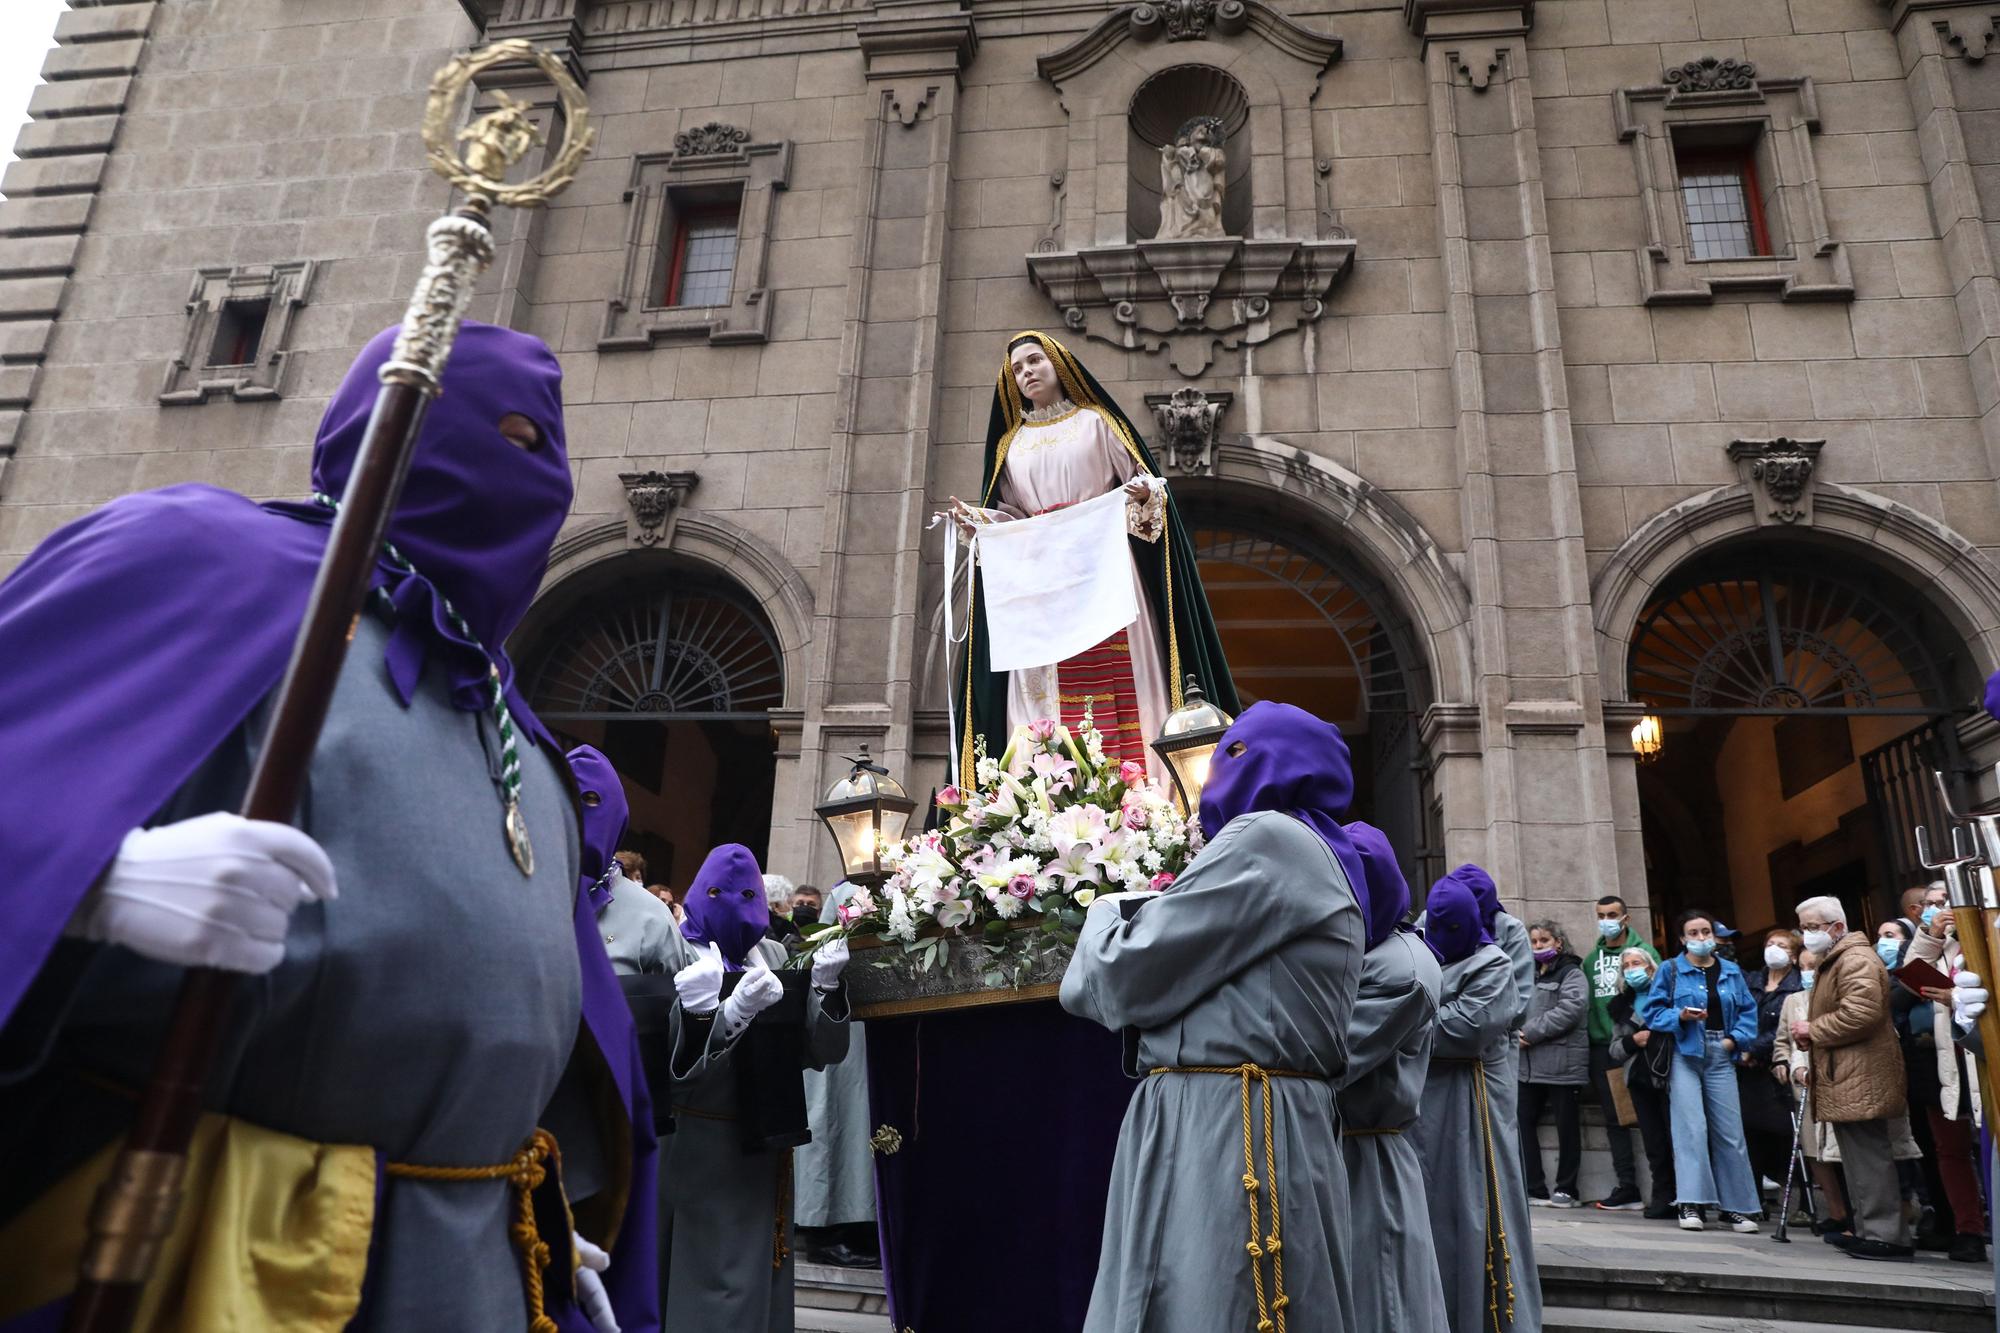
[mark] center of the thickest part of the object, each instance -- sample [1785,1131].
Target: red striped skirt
[1099,681]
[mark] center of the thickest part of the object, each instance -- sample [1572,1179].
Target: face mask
[1545,955]
[1931,914]
[1819,941]
[1775,956]
[1888,949]
[1636,978]
[1611,929]
[1700,948]
[1805,977]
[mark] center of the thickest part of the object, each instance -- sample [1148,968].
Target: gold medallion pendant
[517,839]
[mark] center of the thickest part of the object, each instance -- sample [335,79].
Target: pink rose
[949,797]
[1042,728]
[1135,816]
[1161,881]
[846,912]
[1131,772]
[1022,886]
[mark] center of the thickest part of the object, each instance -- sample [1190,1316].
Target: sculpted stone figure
[1191,171]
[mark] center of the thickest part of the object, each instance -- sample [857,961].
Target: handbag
[1621,1096]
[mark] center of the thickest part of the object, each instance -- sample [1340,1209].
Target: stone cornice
[1435,20]
[1116,28]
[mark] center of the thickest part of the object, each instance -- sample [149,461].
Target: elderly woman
[1648,1065]
[1555,1063]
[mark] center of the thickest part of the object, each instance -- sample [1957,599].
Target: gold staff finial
[500,138]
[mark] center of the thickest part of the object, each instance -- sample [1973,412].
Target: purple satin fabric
[1482,888]
[1388,900]
[1993,696]
[725,904]
[137,638]
[1293,762]
[1452,925]
[605,812]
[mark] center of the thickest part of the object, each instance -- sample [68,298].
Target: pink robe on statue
[1063,462]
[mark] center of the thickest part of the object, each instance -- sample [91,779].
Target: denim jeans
[1711,1162]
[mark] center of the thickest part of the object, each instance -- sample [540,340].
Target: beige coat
[1944,955]
[1857,1063]
[1816,1138]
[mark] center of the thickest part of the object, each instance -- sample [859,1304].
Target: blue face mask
[1700,948]
[1636,978]
[1888,949]
[1805,978]
[1610,930]
[1931,914]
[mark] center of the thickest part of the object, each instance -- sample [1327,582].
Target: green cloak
[1167,572]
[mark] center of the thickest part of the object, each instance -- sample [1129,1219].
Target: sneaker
[1868,1248]
[1968,1249]
[1690,1217]
[1538,1198]
[1624,1199]
[1562,1200]
[1737,1222]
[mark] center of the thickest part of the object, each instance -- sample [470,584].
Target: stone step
[823,1287]
[809,1320]
[1877,1297]
[1569,1320]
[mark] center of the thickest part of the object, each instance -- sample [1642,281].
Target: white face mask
[1819,941]
[1775,956]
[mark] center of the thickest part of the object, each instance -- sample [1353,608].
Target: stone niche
[1129,85]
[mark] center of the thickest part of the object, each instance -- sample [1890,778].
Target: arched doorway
[672,674]
[1805,697]
[1301,623]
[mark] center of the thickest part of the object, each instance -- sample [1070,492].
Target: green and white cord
[503,717]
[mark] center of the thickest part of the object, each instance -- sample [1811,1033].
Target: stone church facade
[1562,364]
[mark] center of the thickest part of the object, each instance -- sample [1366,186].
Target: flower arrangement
[1051,824]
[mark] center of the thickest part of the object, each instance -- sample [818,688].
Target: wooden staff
[1966,876]
[135,1209]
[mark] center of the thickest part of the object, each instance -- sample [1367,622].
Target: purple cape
[1482,888]
[137,638]
[1388,900]
[604,814]
[1293,762]
[1993,696]
[1451,921]
[725,904]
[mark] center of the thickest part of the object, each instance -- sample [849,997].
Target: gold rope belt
[1271,1315]
[525,1172]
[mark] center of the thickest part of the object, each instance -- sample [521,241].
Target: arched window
[673,676]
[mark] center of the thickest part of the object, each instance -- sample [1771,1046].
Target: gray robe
[1477,1221]
[638,929]
[1396,1288]
[725,1214]
[1253,955]
[429,1011]
[834,1175]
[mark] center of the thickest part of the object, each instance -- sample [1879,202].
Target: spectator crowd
[1833,1072]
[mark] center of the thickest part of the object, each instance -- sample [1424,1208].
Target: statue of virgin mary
[1055,439]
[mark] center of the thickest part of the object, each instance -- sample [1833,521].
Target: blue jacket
[1680,985]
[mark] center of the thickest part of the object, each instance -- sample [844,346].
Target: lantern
[865,811]
[1647,737]
[1187,743]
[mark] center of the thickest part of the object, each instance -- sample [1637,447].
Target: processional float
[134,1212]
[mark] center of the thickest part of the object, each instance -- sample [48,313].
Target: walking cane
[1792,1165]
[135,1209]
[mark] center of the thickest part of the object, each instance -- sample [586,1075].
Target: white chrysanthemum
[987,771]
[1006,906]
[1152,861]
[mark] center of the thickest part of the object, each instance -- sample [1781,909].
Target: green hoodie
[1606,975]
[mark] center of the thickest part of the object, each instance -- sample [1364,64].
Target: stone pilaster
[73,123]
[866,627]
[1945,48]
[1548,831]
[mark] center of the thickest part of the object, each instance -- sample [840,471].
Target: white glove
[758,991]
[590,1293]
[217,890]
[1968,999]
[829,961]
[699,984]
